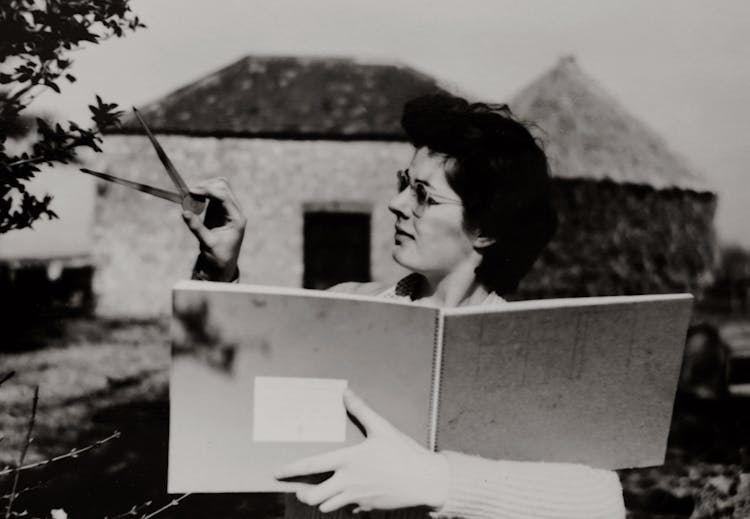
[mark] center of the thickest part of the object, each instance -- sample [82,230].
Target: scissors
[189,201]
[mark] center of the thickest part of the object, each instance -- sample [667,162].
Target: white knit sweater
[484,489]
[481,488]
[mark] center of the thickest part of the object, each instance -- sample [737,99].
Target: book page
[297,409]
[576,381]
[257,376]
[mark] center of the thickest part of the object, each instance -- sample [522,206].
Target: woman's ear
[481,241]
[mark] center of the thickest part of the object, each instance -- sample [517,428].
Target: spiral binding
[437,375]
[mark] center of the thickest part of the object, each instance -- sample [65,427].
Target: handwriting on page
[301,410]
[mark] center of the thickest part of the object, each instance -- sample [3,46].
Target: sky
[682,67]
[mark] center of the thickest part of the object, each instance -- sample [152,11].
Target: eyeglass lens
[418,190]
[403,179]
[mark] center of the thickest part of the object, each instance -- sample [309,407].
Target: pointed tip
[141,120]
[567,61]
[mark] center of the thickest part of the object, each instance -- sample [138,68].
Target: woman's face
[435,242]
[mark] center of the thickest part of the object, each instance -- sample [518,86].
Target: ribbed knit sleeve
[497,489]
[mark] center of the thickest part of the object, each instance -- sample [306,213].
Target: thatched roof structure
[588,134]
[291,98]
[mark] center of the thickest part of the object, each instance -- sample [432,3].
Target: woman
[472,215]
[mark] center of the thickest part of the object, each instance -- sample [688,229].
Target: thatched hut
[634,216]
[311,146]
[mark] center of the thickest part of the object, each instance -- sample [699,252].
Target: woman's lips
[403,233]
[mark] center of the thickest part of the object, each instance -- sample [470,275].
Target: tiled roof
[290,97]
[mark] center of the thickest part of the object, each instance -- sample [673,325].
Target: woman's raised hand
[387,470]
[220,233]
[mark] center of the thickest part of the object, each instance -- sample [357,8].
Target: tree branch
[134,511]
[72,454]
[173,502]
[38,159]
[17,95]
[7,376]
[36,58]
[24,450]
[24,490]
[30,160]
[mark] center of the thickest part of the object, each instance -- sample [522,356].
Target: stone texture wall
[618,239]
[612,239]
[142,247]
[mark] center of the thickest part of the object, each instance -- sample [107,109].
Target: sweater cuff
[480,488]
[203,272]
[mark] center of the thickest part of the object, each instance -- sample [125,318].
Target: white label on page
[299,410]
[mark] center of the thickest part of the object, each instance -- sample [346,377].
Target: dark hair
[501,176]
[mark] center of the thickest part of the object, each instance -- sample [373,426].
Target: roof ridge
[342,96]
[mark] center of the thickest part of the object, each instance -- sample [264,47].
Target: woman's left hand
[387,470]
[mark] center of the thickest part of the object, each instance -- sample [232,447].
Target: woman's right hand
[220,233]
[386,471]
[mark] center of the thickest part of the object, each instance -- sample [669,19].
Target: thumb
[370,420]
[195,225]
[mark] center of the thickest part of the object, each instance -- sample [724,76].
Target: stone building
[311,146]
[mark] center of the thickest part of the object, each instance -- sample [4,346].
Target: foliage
[38,39]
[734,264]
[731,287]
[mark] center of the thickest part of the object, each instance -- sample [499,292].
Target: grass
[97,377]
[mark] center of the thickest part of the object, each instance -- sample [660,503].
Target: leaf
[36,37]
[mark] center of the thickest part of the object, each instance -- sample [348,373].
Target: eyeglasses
[422,196]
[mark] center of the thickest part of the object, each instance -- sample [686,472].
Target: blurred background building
[311,147]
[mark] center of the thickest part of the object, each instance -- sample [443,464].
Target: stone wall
[142,247]
[618,239]
[612,239]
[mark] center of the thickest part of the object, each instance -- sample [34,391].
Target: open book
[258,373]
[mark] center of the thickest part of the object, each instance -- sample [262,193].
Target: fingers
[372,421]
[336,502]
[316,494]
[223,211]
[327,462]
[218,189]
[200,231]
[330,495]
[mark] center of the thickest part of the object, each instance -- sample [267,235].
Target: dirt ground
[97,377]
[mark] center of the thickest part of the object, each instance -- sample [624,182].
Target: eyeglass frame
[422,196]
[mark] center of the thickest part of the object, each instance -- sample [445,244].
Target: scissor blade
[176,178]
[151,190]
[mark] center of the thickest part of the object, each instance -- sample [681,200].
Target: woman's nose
[402,204]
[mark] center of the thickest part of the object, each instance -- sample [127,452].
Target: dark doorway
[336,247]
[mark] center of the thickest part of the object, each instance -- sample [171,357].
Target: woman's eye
[426,198]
